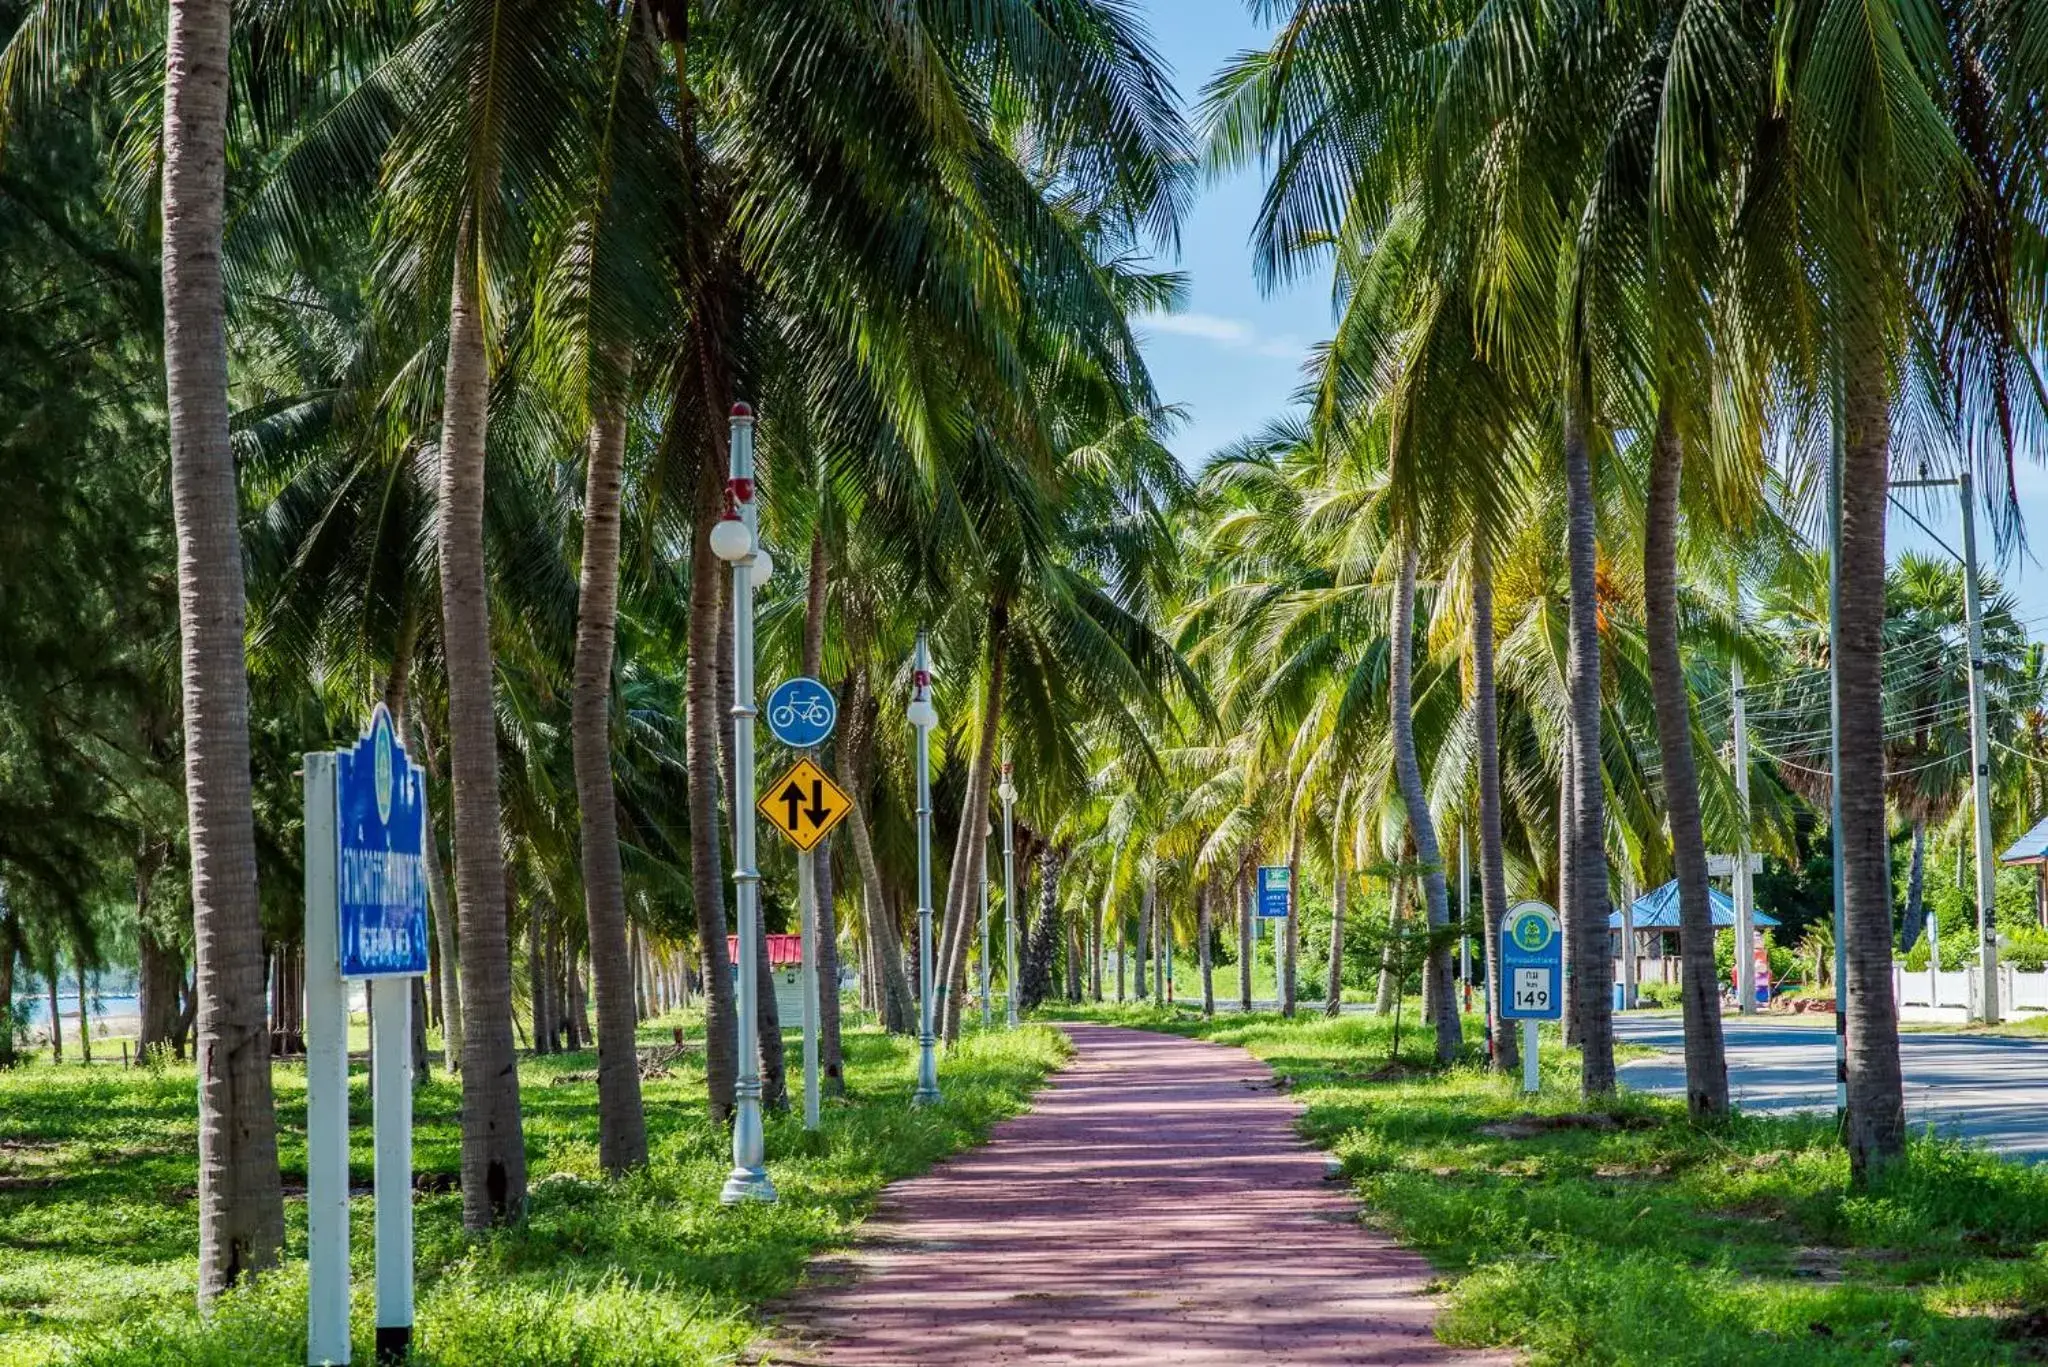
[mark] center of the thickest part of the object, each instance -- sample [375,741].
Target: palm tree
[241,1199]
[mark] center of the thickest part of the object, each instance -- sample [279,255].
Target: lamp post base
[747,1184]
[925,1096]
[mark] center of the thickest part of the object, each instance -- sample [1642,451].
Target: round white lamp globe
[730,540]
[922,713]
[764,565]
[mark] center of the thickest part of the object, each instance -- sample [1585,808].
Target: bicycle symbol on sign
[802,713]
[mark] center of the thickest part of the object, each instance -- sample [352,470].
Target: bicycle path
[1154,1206]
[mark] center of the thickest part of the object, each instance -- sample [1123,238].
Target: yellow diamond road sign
[804,804]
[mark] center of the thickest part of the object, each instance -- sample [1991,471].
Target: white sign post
[366,918]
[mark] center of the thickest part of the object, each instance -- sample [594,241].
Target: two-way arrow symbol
[792,799]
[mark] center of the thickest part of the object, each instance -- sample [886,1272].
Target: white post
[1745,903]
[1008,792]
[326,1081]
[923,716]
[391,1110]
[807,914]
[748,1180]
[1980,762]
[1532,1080]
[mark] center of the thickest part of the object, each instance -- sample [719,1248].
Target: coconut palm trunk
[1706,1064]
[621,1121]
[1442,1003]
[825,940]
[1146,899]
[1877,1117]
[885,947]
[1291,943]
[241,1197]
[1915,919]
[700,748]
[493,1142]
[1340,901]
[972,839]
[1244,935]
[1587,910]
[1203,930]
[1493,879]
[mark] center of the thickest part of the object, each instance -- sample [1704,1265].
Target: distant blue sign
[802,713]
[1276,886]
[1531,964]
[380,806]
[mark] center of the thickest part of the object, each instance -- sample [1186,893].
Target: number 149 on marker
[1532,989]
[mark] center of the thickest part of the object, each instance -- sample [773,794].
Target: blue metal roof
[2031,848]
[1659,910]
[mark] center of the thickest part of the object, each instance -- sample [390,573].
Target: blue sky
[1232,358]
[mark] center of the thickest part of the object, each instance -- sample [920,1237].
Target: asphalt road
[1987,1088]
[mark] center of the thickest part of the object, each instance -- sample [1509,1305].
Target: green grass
[98,1221]
[1652,1242]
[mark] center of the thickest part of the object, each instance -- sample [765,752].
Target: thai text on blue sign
[801,713]
[1531,964]
[1276,887]
[380,807]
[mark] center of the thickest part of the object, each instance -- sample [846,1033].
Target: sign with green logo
[1531,964]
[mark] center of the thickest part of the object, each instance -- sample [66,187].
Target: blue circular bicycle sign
[802,713]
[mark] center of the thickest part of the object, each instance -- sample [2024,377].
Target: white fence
[2017,991]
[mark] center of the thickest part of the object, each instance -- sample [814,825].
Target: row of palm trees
[1609,277]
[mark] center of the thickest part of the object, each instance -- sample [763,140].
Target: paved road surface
[1154,1207]
[1988,1088]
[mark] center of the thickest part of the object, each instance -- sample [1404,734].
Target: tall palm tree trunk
[831,1059]
[1706,1065]
[1143,945]
[1244,934]
[1877,1114]
[621,1121]
[1442,1004]
[1095,954]
[1915,919]
[885,948]
[972,839]
[493,1142]
[1289,980]
[1493,878]
[1203,930]
[241,1198]
[1340,901]
[701,750]
[1587,912]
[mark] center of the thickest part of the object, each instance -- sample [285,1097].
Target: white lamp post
[735,541]
[1008,793]
[923,717]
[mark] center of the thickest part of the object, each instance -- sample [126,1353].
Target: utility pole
[1980,759]
[1745,903]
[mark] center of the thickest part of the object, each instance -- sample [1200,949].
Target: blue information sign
[1531,964]
[802,712]
[380,807]
[1275,889]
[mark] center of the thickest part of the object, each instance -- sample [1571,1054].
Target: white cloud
[1231,334]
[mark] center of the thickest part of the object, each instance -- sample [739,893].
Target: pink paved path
[1155,1206]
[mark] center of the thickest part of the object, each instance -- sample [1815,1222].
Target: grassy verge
[1627,1236]
[98,1220]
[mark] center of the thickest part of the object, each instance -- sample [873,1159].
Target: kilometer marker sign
[804,804]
